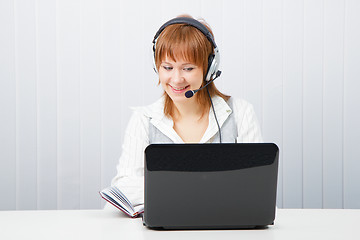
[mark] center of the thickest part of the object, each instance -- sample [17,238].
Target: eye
[188,69]
[167,68]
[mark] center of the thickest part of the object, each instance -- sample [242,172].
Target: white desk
[290,224]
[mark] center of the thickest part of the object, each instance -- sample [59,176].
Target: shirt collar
[155,112]
[157,117]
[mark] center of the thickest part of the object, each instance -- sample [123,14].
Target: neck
[188,109]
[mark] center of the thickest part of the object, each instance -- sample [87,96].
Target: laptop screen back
[210,185]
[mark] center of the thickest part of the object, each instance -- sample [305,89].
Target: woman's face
[178,77]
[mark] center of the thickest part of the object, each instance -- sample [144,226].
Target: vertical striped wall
[69,70]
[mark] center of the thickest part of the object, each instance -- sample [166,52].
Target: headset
[214,58]
[212,72]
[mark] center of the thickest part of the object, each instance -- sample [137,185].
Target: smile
[179,89]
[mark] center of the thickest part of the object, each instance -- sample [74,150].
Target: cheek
[197,78]
[161,77]
[163,80]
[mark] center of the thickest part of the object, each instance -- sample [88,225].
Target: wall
[70,69]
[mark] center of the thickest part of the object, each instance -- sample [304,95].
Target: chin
[178,98]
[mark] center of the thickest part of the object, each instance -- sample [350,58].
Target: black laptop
[210,186]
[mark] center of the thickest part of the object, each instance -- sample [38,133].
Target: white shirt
[130,169]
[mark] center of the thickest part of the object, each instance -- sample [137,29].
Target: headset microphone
[191,93]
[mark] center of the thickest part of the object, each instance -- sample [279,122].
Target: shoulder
[240,106]
[243,111]
[154,110]
[138,125]
[247,122]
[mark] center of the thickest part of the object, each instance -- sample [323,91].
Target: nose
[177,76]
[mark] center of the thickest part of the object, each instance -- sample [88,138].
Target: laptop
[210,186]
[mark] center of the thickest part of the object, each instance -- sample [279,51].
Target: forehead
[179,61]
[180,54]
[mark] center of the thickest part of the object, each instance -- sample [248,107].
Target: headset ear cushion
[210,68]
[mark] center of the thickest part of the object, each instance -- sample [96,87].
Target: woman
[186,58]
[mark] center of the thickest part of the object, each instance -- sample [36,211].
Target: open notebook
[114,196]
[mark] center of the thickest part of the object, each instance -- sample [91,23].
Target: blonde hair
[182,41]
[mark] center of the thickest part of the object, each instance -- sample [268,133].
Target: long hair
[181,41]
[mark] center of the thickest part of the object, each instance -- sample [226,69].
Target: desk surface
[108,224]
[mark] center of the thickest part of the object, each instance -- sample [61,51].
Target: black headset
[214,58]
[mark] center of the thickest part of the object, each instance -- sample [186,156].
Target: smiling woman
[189,48]
[186,58]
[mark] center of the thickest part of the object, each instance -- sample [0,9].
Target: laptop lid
[195,186]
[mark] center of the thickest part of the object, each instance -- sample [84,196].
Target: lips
[179,89]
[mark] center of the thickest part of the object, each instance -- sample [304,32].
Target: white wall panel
[26,105]
[253,54]
[333,103]
[312,104]
[90,104]
[233,50]
[68,60]
[150,79]
[273,82]
[293,23]
[7,107]
[46,105]
[351,105]
[70,70]
[170,10]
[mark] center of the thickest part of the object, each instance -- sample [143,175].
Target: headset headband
[189,21]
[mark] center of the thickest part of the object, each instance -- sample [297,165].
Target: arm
[247,123]
[130,169]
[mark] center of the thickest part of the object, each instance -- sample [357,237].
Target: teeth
[178,88]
